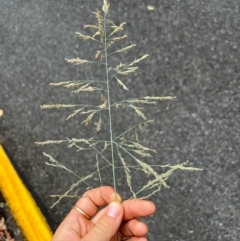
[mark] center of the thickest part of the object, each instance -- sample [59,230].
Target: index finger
[94,198]
[135,208]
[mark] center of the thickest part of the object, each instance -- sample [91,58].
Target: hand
[114,222]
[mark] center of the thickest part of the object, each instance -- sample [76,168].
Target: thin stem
[125,150]
[100,153]
[83,81]
[109,103]
[133,127]
[95,62]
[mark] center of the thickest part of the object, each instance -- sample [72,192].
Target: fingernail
[113,210]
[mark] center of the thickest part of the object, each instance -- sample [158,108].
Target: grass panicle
[126,150]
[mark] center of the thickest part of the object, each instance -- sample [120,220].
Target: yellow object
[22,205]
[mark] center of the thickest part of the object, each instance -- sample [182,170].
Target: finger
[133,208]
[137,239]
[107,225]
[120,238]
[130,228]
[133,227]
[94,198]
[137,208]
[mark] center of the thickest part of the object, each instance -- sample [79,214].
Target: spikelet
[105,7]
[88,120]
[77,61]
[57,106]
[125,49]
[159,97]
[138,60]
[123,85]
[74,113]
[138,111]
[126,71]
[99,125]
[84,88]
[100,25]
[98,53]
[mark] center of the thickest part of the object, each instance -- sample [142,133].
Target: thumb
[108,224]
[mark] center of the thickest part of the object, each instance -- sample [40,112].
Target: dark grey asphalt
[194,54]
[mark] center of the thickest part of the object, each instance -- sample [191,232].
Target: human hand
[115,222]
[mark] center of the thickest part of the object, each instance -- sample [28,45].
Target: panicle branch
[116,39]
[127,173]
[57,106]
[117,29]
[87,37]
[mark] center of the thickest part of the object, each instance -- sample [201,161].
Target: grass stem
[109,103]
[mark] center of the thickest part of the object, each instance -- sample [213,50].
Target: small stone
[150,7]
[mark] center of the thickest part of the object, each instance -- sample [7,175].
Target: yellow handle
[22,205]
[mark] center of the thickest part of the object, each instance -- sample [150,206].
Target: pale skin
[116,221]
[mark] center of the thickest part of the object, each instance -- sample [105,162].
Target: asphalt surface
[194,55]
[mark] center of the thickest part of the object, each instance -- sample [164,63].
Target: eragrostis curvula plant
[126,150]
